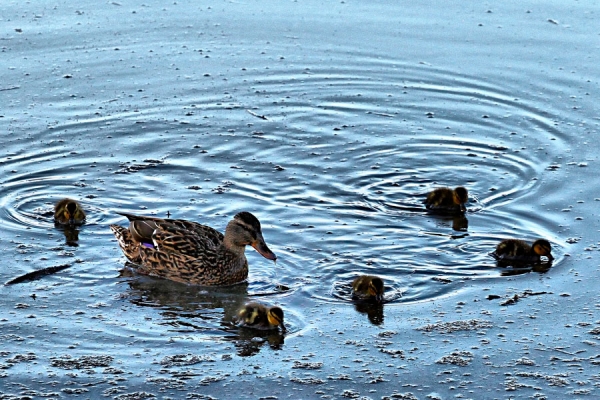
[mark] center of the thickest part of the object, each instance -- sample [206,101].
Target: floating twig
[35,275]
[256,115]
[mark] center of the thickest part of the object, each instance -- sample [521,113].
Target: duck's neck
[233,247]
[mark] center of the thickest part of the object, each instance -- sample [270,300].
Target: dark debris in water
[67,362]
[455,326]
[307,365]
[460,358]
[395,353]
[517,296]
[441,279]
[400,396]
[179,360]
[310,380]
[35,275]
[135,396]
[127,168]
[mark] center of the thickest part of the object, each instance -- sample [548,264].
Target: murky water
[329,122]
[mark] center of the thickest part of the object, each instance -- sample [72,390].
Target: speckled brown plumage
[68,212]
[447,200]
[258,316]
[189,252]
[519,250]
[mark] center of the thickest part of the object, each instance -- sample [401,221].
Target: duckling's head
[275,317]
[70,210]
[460,197]
[244,229]
[541,247]
[376,288]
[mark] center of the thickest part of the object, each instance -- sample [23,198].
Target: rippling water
[330,125]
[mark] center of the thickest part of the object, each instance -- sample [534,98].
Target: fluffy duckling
[68,212]
[447,200]
[258,316]
[368,287]
[519,250]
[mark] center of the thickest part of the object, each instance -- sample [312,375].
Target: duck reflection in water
[374,310]
[192,309]
[71,234]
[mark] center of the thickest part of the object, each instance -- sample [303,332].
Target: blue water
[330,123]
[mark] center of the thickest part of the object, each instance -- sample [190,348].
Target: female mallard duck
[189,252]
[447,200]
[368,287]
[258,316]
[519,250]
[68,212]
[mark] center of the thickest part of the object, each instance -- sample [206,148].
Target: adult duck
[189,252]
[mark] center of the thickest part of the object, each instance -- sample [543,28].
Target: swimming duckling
[258,316]
[447,200]
[368,287]
[68,212]
[519,250]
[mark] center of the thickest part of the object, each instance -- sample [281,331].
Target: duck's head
[244,229]
[275,317]
[460,197]
[541,247]
[69,212]
[376,288]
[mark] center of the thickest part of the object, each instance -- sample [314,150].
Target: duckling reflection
[540,268]
[248,342]
[194,309]
[71,235]
[202,308]
[374,311]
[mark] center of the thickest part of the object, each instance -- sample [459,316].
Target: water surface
[329,122]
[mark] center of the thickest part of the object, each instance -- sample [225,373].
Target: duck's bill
[263,250]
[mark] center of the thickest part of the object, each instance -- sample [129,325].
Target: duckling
[368,287]
[68,212]
[519,250]
[188,252]
[447,200]
[258,316]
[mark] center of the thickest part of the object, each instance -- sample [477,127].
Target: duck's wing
[172,238]
[143,228]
